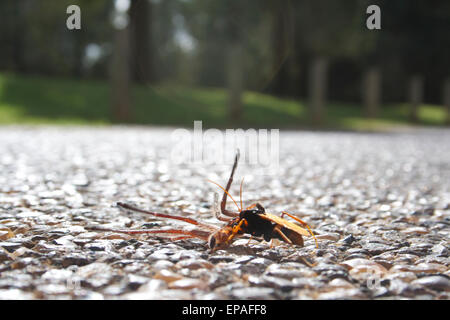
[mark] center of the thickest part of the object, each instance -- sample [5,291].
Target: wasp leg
[286,239]
[303,223]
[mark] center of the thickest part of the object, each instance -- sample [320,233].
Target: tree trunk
[141,53]
[446,99]
[279,48]
[19,36]
[235,80]
[415,96]
[77,67]
[372,92]
[120,77]
[318,89]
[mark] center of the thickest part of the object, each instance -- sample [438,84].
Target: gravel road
[378,202]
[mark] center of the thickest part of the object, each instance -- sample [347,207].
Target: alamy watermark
[218,147]
[74,20]
[373,22]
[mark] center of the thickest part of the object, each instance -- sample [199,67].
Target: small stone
[221,258]
[135,281]
[98,246]
[377,248]
[349,239]
[244,259]
[57,275]
[253,293]
[437,283]
[342,294]
[194,264]
[96,274]
[398,287]
[440,250]
[415,230]
[403,276]
[187,284]
[75,259]
[168,276]
[162,264]
[273,282]
[263,262]
[10,246]
[430,268]
[328,236]
[6,233]
[150,291]
[276,271]
[341,283]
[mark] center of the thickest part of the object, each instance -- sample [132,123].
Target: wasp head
[219,240]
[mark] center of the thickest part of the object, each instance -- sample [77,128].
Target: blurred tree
[281,45]
[120,66]
[446,99]
[37,39]
[415,95]
[372,91]
[141,40]
[329,30]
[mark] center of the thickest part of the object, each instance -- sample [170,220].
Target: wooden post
[140,14]
[372,92]
[120,77]
[446,99]
[235,80]
[415,96]
[318,88]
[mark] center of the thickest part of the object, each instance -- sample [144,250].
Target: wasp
[253,221]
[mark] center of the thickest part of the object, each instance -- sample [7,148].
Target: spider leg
[186,233]
[225,194]
[162,215]
[180,238]
[217,210]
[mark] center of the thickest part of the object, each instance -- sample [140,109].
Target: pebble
[253,293]
[438,283]
[342,294]
[168,276]
[340,283]
[188,284]
[194,264]
[10,246]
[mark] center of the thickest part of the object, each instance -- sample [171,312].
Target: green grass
[45,100]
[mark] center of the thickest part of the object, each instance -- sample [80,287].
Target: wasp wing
[285,223]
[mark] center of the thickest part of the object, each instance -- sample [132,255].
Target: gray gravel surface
[379,204]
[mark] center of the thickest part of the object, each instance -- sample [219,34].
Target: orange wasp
[252,220]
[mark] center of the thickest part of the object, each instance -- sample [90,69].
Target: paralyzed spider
[252,220]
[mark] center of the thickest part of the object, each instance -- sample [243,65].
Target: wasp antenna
[226,193]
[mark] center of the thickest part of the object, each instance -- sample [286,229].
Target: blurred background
[255,63]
